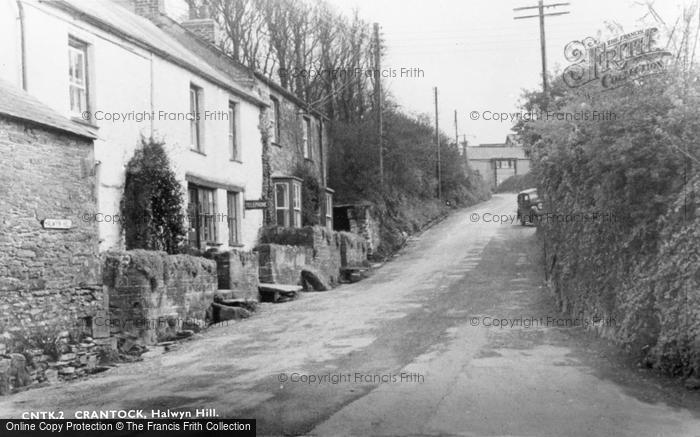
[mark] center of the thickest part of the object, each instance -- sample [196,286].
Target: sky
[479,57]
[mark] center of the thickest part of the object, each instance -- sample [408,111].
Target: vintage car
[529,206]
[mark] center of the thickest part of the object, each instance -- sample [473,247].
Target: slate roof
[499,151]
[114,18]
[17,103]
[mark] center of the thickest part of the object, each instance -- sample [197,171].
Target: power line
[540,14]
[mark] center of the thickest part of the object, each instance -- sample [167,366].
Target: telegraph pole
[540,14]
[378,92]
[456,131]
[437,143]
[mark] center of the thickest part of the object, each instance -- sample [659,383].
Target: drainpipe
[23,49]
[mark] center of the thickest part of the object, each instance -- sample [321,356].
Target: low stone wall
[353,250]
[360,220]
[152,295]
[282,264]
[237,270]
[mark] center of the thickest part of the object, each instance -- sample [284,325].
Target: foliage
[307,46]
[641,265]
[50,339]
[312,194]
[517,183]
[407,200]
[323,57]
[152,205]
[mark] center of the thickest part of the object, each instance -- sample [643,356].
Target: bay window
[288,201]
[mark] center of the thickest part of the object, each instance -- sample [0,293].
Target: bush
[641,266]
[517,183]
[152,204]
[407,200]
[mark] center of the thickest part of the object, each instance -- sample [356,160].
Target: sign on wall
[57,224]
[255,204]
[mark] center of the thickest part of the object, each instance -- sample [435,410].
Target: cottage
[298,150]
[102,65]
[48,256]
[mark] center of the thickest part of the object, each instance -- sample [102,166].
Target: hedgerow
[639,262]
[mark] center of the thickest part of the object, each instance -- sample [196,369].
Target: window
[329,211]
[282,203]
[296,189]
[77,76]
[195,121]
[201,209]
[233,218]
[232,132]
[275,120]
[504,163]
[288,199]
[305,141]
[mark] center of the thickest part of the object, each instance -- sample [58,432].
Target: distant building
[496,162]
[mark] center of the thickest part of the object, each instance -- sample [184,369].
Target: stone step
[354,273]
[354,269]
[278,292]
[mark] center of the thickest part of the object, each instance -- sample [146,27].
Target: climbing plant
[152,204]
[311,195]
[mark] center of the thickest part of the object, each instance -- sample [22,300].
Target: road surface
[414,350]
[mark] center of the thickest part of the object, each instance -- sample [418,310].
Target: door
[194,218]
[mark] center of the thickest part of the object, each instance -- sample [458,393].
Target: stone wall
[282,264]
[154,295]
[48,277]
[353,250]
[237,271]
[322,248]
[286,152]
[359,219]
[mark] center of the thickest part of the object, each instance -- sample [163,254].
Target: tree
[152,204]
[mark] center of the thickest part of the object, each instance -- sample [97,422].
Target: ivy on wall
[311,194]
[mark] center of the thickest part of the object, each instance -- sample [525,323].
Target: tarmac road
[455,336]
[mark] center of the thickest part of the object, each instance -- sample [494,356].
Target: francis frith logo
[616,61]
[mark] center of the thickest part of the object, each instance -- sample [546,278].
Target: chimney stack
[203,25]
[149,8]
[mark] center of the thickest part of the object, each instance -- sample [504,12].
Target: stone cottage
[48,252]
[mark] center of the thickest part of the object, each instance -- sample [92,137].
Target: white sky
[478,56]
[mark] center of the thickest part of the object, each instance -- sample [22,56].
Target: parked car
[529,206]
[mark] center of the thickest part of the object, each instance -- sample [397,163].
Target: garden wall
[282,264]
[237,271]
[283,250]
[153,295]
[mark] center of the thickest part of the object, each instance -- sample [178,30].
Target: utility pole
[437,143]
[378,92]
[456,131]
[540,14]
[465,144]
